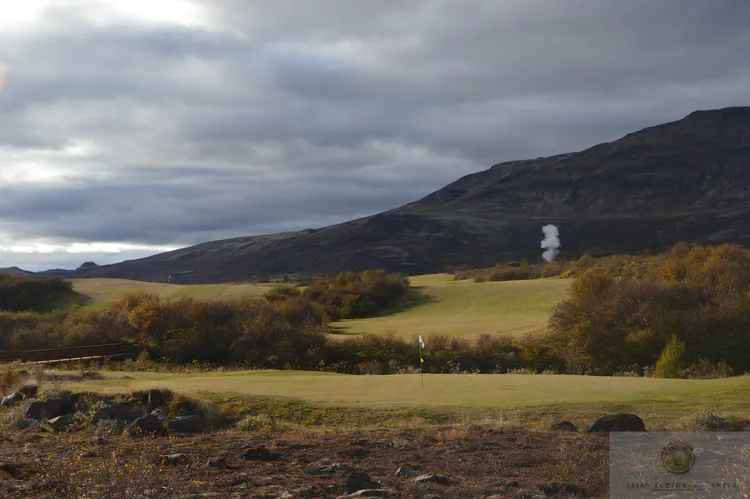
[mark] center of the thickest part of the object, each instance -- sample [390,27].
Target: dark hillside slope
[687,180]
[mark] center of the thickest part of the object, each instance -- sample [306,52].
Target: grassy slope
[437,304]
[105,291]
[535,396]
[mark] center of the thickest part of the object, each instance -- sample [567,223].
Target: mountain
[15,271]
[688,180]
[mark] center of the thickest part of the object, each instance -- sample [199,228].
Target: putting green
[470,390]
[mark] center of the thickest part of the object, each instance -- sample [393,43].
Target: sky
[132,127]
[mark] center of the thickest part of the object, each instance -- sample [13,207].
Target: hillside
[686,180]
[14,271]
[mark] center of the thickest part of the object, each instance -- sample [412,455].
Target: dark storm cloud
[275,116]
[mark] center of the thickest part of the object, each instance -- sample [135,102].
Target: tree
[669,364]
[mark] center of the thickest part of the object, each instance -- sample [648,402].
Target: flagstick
[421,364]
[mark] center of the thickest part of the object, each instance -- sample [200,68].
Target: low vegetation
[349,295]
[690,309]
[684,313]
[18,292]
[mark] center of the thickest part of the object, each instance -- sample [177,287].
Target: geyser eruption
[551,242]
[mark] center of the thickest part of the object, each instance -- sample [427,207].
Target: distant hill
[686,180]
[15,271]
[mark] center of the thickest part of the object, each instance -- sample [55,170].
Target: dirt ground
[475,461]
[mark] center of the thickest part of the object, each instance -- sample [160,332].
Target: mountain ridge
[683,180]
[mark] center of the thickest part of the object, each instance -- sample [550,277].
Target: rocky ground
[458,461]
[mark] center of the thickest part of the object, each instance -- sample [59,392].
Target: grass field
[438,304]
[534,396]
[102,292]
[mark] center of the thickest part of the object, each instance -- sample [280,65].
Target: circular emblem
[677,457]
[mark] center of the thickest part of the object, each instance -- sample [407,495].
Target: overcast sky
[129,127]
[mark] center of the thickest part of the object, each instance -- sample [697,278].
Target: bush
[623,311]
[10,379]
[18,293]
[669,364]
[370,367]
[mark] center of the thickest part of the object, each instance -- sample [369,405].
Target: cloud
[157,126]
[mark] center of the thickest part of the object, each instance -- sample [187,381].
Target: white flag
[421,341]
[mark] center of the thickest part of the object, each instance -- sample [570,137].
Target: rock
[29,390]
[155,399]
[372,493]
[61,423]
[564,426]
[103,413]
[10,468]
[712,423]
[190,410]
[403,471]
[563,490]
[358,480]
[36,410]
[12,399]
[219,462]
[436,479]
[136,412]
[60,406]
[617,422]
[174,459]
[326,469]
[149,425]
[158,413]
[50,409]
[191,424]
[119,411]
[259,454]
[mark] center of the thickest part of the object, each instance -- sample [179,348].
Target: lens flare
[2,75]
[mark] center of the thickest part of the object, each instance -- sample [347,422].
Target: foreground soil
[477,461]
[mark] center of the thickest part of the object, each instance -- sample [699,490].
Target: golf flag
[421,346]
[421,341]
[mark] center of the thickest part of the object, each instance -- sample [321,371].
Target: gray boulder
[372,493]
[358,480]
[155,399]
[617,422]
[119,411]
[189,424]
[50,409]
[436,479]
[36,410]
[219,462]
[149,425]
[260,453]
[61,423]
[175,459]
[12,399]
[59,406]
[29,390]
[564,426]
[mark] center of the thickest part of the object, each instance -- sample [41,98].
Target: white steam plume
[551,242]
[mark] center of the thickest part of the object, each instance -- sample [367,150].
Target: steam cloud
[551,242]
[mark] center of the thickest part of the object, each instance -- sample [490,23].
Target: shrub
[370,367]
[19,293]
[669,364]
[10,379]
